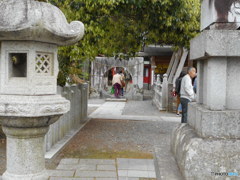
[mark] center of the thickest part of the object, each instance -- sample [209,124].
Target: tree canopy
[114,27]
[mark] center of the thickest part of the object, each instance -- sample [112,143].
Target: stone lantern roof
[37,21]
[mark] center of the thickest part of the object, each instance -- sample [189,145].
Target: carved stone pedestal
[25,155]
[25,147]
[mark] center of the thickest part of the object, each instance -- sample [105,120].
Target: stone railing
[71,121]
[160,93]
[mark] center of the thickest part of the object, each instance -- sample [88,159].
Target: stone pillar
[84,101]
[158,79]
[165,91]
[153,75]
[210,143]
[24,164]
[25,147]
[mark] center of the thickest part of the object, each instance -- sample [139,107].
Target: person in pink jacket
[117,83]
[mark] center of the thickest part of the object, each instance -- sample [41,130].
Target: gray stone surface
[135,164]
[67,178]
[116,100]
[42,22]
[61,173]
[214,124]
[32,82]
[127,178]
[96,174]
[218,73]
[146,108]
[98,161]
[69,161]
[30,32]
[215,11]
[213,43]
[160,93]
[133,110]
[198,157]
[210,143]
[70,123]
[84,90]
[106,167]
[23,161]
[80,167]
[232,95]
[96,101]
[164,161]
[138,132]
[215,88]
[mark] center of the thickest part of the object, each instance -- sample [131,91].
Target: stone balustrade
[160,92]
[78,97]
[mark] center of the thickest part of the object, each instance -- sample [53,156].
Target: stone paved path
[104,169]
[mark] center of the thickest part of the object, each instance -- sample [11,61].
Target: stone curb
[57,147]
[137,118]
[167,168]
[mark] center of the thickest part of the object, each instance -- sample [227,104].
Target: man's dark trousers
[184,103]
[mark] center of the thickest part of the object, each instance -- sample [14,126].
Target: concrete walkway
[115,110]
[103,169]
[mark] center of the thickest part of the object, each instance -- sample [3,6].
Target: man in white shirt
[116,82]
[187,93]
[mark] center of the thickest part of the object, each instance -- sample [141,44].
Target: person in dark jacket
[177,90]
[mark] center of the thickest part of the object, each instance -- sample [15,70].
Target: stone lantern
[208,146]
[30,32]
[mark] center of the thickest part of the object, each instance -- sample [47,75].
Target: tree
[123,27]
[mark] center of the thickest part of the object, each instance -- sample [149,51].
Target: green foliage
[123,27]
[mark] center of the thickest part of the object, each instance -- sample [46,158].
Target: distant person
[195,84]
[177,90]
[122,83]
[186,92]
[117,84]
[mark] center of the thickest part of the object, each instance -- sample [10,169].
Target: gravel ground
[115,138]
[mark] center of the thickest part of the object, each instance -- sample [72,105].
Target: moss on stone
[103,154]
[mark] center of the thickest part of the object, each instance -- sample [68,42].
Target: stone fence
[71,121]
[160,93]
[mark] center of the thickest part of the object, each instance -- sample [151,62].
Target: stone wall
[78,97]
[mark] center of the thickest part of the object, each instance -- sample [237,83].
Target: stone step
[116,100]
